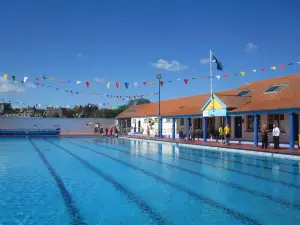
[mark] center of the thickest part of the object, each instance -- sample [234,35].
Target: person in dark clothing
[210,131]
[116,132]
[264,137]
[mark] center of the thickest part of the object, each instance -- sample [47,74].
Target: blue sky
[122,41]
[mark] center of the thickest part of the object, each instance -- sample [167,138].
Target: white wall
[67,125]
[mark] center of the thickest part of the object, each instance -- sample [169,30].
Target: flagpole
[210,56]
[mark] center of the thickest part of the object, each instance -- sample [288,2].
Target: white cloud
[99,79]
[31,85]
[79,55]
[250,47]
[204,61]
[172,66]
[7,86]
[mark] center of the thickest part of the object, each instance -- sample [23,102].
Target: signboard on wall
[214,112]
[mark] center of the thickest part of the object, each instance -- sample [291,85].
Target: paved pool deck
[235,146]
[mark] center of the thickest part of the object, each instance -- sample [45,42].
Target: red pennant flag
[37,79]
[282,66]
[117,84]
[263,69]
[161,83]
[144,83]
[202,78]
[226,75]
[42,84]
[87,84]
[57,89]
[61,81]
[186,81]
[120,97]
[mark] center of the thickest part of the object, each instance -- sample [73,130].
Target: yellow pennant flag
[51,78]
[273,67]
[108,85]
[5,76]
[152,82]
[243,73]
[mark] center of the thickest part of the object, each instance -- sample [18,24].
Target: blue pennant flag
[219,64]
[126,85]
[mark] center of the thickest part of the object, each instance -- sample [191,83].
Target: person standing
[210,131]
[192,133]
[116,132]
[227,134]
[264,137]
[221,134]
[276,133]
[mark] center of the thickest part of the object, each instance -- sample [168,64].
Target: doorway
[139,126]
[238,127]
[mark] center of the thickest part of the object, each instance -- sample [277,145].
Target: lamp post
[159,76]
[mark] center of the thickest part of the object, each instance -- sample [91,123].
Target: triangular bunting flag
[273,67]
[218,77]
[152,82]
[45,78]
[161,83]
[144,83]
[243,73]
[135,84]
[234,74]
[61,81]
[37,78]
[78,82]
[126,85]
[263,69]
[170,81]
[25,79]
[282,66]
[14,78]
[254,70]
[117,84]
[186,81]
[226,75]
[87,84]
[51,78]
[290,64]
[108,85]
[5,76]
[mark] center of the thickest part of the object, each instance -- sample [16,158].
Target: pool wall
[68,126]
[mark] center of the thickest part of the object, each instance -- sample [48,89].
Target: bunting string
[135,84]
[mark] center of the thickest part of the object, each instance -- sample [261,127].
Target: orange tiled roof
[255,100]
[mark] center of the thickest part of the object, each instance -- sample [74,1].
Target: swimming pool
[98,180]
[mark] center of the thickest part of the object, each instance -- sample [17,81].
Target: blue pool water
[97,180]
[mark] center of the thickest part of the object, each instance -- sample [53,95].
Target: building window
[275,88]
[275,119]
[168,120]
[243,93]
[198,124]
[181,122]
[250,123]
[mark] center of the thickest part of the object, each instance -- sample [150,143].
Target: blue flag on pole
[219,64]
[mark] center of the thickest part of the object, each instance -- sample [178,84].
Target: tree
[139,101]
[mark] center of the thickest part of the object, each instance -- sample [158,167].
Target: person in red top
[106,131]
